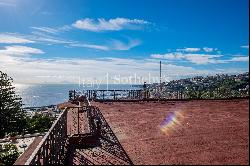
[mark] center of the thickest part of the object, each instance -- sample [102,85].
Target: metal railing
[59,144]
[53,147]
[111,94]
[127,95]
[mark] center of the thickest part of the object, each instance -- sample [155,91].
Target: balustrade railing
[116,95]
[59,145]
[53,147]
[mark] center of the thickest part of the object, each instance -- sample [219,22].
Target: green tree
[12,118]
[8,154]
[39,123]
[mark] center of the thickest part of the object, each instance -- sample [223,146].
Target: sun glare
[172,122]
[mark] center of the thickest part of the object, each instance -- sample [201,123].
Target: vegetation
[12,118]
[8,154]
[39,123]
[210,87]
[14,121]
[13,134]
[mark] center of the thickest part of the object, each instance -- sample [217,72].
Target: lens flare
[171,122]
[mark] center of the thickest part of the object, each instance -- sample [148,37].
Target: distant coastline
[38,95]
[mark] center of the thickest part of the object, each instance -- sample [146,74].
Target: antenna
[160,76]
[160,72]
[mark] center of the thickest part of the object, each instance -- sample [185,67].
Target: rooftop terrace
[148,132]
[203,131]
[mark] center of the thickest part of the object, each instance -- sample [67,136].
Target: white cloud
[45,38]
[46,29]
[51,40]
[194,58]
[240,59]
[112,45]
[109,25]
[30,70]
[41,37]
[19,51]
[118,45]
[202,58]
[52,30]
[169,56]
[189,49]
[57,70]
[36,37]
[207,49]
[247,46]
[13,39]
[92,46]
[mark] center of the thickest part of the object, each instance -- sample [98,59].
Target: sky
[117,41]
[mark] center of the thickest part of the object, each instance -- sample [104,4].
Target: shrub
[8,154]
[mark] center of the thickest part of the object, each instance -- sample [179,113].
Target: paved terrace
[204,132]
[198,132]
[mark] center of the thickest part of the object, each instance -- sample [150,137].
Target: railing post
[78,120]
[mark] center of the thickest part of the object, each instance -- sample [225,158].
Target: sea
[37,95]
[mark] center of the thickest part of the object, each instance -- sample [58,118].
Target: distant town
[209,87]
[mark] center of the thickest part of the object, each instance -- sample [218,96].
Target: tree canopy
[12,118]
[8,154]
[39,123]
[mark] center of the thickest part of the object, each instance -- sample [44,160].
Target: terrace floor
[161,132]
[91,148]
[195,132]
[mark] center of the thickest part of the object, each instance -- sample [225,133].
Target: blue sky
[44,41]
